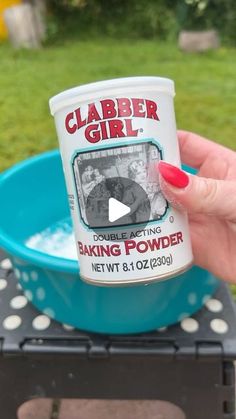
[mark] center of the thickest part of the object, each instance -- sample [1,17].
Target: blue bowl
[33,197]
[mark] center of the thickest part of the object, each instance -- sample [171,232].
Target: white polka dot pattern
[41,322]
[68,327]
[49,312]
[6,264]
[25,277]
[162,329]
[192,298]
[213,305]
[28,295]
[34,275]
[17,273]
[40,294]
[219,326]
[18,302]
[3,284]
[211,280]
[190,325]
[12,322]
[182,316]
[206,298]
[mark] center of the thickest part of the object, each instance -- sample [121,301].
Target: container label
[110,118]
[110,151]
[125,173]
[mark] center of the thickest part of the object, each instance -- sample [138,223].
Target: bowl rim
[16,248]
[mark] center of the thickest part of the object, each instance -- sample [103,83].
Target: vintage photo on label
[98,176]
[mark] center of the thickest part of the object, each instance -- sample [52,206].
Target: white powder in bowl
[56,240]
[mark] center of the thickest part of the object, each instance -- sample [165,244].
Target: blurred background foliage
[162,19]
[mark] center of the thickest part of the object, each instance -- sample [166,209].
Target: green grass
[205,86]
[233,289]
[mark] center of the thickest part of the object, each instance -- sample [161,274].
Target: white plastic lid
[100,89]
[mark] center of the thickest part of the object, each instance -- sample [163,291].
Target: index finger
[194,149]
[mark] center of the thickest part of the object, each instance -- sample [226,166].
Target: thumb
[198,194]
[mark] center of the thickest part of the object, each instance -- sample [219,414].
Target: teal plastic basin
[33,197]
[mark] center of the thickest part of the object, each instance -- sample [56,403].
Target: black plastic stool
[195,371]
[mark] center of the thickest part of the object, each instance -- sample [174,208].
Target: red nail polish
[173,175]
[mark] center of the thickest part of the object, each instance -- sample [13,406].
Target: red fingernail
[173,175]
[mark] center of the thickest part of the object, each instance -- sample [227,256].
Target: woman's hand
[210,200]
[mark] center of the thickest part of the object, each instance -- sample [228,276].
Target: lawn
[205,86]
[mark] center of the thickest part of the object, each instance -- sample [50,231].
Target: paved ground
[98,409]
